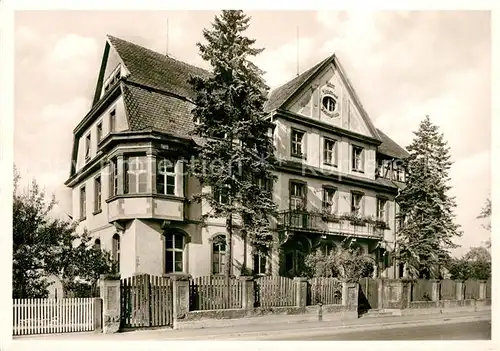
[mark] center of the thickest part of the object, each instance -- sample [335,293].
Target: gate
[146,301]
[368,294]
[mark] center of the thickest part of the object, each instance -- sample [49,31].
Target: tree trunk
[229,254]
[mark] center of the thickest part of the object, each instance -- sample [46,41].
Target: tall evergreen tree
[426,210]
[236,157]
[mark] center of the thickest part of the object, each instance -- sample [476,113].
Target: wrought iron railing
[329,224]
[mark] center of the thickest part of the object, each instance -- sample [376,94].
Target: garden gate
[368,294]
[146,301]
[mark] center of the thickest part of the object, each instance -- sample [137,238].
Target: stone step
[379,313]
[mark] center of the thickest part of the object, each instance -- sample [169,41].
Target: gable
[328,97]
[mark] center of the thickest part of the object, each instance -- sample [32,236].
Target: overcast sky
[403,65]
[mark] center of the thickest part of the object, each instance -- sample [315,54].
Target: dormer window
[113,78]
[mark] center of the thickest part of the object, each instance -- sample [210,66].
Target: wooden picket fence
[421,290]
[326,291]
[44,316]
[447,290]
[275,291]
[146,301]
[210,293]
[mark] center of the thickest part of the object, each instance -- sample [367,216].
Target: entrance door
[368,294]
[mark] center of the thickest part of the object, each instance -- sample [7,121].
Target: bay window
[136,175]
[165,176]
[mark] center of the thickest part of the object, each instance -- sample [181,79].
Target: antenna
[297,51]
[166,49]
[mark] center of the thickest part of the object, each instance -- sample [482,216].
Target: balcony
[130,206]
[330,224]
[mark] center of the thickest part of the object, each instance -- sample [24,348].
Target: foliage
[45,246]
[476,264]
[236,151]
[343,262]
[486,214]
[426,213]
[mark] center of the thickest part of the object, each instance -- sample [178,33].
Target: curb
[342,328]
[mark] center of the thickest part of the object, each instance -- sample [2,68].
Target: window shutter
[362,205]
[336,201]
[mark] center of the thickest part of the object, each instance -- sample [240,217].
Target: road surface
[476,330]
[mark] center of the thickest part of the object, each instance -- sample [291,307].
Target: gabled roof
[281,96]
[152,69]
[149,109]
[390,148]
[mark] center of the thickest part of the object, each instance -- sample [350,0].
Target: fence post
[459,286]
[247,292]
[350,295]
[180,290]
[406,293]
[109,286]
[301,286]
[435,289]
[482,289]
[97,301]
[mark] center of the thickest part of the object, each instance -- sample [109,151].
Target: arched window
[357,249]
[115,251]
[218,254]
[329,103]
[327,248]
[174,252]
[97,244]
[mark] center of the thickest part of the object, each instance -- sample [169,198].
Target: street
[480,330]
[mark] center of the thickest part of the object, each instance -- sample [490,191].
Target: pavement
[299,331]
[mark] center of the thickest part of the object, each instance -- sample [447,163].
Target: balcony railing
[330,224]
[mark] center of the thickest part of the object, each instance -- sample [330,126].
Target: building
[338,175]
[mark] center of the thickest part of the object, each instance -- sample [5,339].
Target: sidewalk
[268,329]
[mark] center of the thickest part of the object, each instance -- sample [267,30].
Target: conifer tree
[426,210]
[236,156]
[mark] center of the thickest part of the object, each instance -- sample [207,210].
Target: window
[356,202]
[87,147]
[97,244]
[83,203]
[165,177]
[221,195]
[113,186]
[218,254]
[264,183]
[259,263]
[99,131]
[297,196]
[115,251]
[136,175]
[327,248]
[97,194]
[174,251]
[112,121]
[357,159]
[398,172]
[381,209]
[329,200]
[329,152]
[297,143]
[383,168]
[329,103]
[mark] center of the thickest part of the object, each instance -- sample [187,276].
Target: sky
[403,65]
